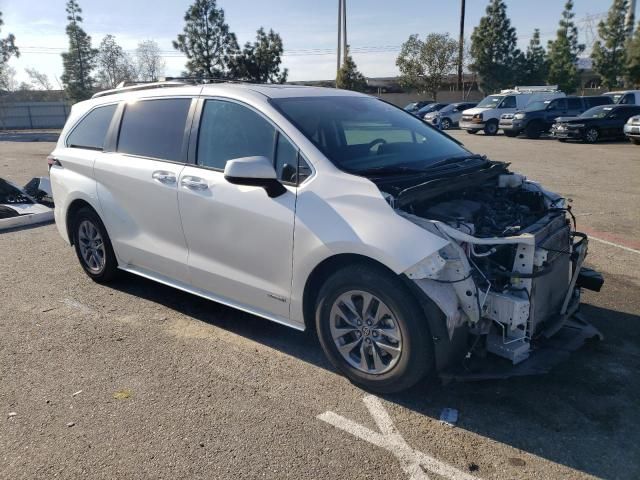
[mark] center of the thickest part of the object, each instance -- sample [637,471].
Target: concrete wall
[32,115]
[445,96]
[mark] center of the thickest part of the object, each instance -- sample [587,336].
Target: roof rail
[531,89]
[135,86]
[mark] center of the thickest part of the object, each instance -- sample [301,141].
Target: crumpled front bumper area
[547,352]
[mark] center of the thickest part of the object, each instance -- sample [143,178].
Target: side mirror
[255,172]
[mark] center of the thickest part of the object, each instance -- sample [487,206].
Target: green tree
[260,61]
[424,64]
[114,65]
[608,53]
[633,59]
[564,52]
[8,47]
[493,47]
[206,40]
[349,78]
[535,64]
[79,61]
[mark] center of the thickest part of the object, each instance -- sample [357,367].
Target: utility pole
[345,44]
[339,52]
[461,49]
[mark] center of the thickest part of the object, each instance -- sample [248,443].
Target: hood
[474,110]
[432,114]
[572,119]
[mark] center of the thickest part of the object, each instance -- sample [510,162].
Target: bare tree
[38,79]
[149,64]
[114,65]
[8,80]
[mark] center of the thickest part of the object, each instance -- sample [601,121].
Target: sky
[308,28]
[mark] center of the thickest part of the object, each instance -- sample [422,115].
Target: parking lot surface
[137,380]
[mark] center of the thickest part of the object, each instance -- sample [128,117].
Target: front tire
[445,124]
[472,132]
[533,130]
[591,135]
[373,330]
[491,128]
[93,246]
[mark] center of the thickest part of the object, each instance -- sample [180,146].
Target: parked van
[625,97]
[538,117]
[486,115]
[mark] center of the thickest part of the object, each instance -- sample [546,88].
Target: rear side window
[595,101]
[154,128]
[575,104]
[91,132]
[628,99]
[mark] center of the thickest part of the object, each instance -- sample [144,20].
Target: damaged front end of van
[509,281]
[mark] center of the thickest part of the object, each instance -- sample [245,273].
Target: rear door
[240,240]
[137,186]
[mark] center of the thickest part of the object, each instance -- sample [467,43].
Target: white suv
[486,115]
[320,208]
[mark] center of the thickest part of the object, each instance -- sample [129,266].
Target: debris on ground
[449,416]
[12,414]
[122,394]
[70,424]
[77,393]
[18,208]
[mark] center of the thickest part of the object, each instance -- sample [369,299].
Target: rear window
[154,128]
[91,131]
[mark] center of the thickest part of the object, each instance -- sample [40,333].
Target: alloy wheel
[91,244]
[445,124]
[591,135]
[365,331]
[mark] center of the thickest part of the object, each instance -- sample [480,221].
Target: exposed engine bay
[513,269]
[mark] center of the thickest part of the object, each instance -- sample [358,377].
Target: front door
[137,186]
[240,241]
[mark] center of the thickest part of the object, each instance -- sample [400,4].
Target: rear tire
[491,128]
[93,246]
[370,311]
[445,124]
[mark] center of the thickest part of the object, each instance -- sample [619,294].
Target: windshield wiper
[450,160]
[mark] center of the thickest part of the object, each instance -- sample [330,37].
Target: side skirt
[209,296]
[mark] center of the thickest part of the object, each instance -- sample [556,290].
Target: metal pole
[461,48]
[339,36]
[345,45]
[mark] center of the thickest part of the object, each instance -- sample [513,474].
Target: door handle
[194,183]
[165,177]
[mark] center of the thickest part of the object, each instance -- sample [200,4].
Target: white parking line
[612,244]
[411,461]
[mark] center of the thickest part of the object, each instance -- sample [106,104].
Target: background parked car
[625,97]
[606,121]
[448,116]
[432,107]
[632,129]
[538,117]
[415,106]
[486,115]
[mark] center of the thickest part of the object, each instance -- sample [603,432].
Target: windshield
[411,106]
[536,106]
[434,107]
[359,134]
[597,112]
[492,101]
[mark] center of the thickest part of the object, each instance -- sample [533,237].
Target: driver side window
[508,102]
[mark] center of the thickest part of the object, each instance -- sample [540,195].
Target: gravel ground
[173,386]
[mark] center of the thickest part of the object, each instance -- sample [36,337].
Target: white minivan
[486,115]
[327,210]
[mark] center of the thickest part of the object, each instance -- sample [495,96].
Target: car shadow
[582,412]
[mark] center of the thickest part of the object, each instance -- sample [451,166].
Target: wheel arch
[74,207]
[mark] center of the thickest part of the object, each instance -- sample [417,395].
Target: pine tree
[349,78]
[633,59]
[564,52]
[260,61]
[609,51]
[493,47]
[79,61]
[207,42]
[536,65]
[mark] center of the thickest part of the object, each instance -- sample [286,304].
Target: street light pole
[339,52]
[345,45]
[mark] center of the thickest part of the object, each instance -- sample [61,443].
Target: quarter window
[91,132]
[154,128]
[286,160]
